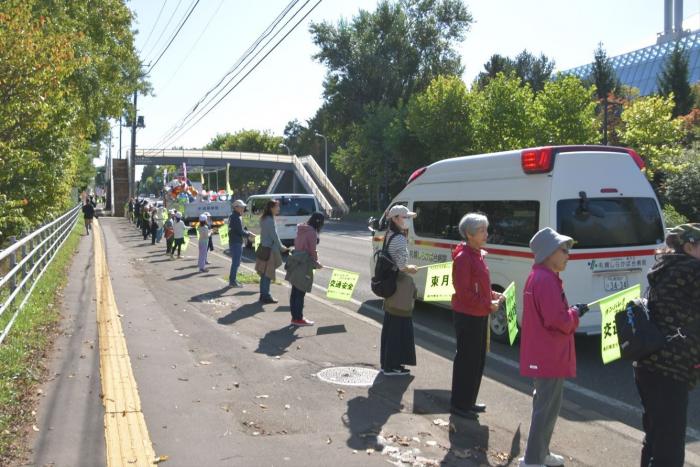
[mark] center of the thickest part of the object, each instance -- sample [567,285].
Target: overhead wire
[160,36]
[186,125]
[182,23]
[154,25]
[238,62]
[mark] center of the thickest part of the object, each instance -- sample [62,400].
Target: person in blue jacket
[237,233]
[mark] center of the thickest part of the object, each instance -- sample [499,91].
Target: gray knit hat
[546,241]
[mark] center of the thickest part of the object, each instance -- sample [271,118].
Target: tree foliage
[532,70]
[682,189]
[566,113]
[651,130]
[673,80]
[65,68]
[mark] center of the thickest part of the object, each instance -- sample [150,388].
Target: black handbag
[263,253]
[637,335]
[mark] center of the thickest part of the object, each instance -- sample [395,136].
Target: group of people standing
[547,349]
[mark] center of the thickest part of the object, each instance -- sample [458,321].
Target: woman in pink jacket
[547,351]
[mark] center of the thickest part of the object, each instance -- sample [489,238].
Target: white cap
[399,210]
[178,215]
[239,204]
[202,218]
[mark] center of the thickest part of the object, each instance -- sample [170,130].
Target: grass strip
[23,352]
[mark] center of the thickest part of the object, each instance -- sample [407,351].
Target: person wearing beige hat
[397,342]
[237,233]
[665,377]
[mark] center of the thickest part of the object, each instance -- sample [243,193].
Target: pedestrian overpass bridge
[305,170]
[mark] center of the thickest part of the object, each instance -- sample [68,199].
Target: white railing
[276,179]
[222,155]
[310,163]
[26,261]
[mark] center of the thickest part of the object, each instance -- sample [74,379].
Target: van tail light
[537,161]
[637,159]
[417,173]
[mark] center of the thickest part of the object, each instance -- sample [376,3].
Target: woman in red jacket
[547,351]
[472,303]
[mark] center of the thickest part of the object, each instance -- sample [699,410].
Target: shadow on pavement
[243,312]
[185,276]
[366,416]
[203,297]
[276,342]
[468,440]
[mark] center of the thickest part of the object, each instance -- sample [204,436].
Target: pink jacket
[470,277]
[547,347]
[306,240]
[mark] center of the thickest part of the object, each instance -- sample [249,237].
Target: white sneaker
[521,463]
[553,460]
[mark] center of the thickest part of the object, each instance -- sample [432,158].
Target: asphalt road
[348,246]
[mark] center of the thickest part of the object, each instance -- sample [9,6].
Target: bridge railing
[310,163]
[202,154]
[26,260]
[311,186]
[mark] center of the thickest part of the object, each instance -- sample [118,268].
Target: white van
[294,209]
[594,194]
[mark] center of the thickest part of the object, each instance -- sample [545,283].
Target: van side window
[510,222]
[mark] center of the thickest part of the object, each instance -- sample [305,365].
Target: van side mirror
[373,224]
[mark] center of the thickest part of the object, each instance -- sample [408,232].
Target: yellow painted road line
[126,435]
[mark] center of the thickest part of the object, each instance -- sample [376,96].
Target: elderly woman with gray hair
[472,303]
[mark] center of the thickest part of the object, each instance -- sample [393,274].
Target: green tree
[682,189]
[535,71]
[566,113]
[604,78]
[673,80]
[440,118]
[651,130]
[503,115]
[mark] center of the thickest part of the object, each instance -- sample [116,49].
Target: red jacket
[547,347]
[470,277]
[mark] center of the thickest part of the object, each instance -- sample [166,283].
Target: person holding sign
[472,303]
[301,264]
[179,232]
[547,350]
[237,232]
[665,377]
[397,343]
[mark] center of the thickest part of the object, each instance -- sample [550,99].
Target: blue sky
[288,84]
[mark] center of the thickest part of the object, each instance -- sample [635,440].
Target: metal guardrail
[28,259]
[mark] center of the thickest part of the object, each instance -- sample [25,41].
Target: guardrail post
[13,263]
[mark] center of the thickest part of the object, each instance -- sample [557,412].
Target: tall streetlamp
[325,140]
[282,145]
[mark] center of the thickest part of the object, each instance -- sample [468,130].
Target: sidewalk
[224,380]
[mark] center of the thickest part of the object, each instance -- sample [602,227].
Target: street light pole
[282,145]
[325,165]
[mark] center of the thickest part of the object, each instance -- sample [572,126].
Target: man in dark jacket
[237,233]
[88,215]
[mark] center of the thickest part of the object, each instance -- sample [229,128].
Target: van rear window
[610,222]
[510,222]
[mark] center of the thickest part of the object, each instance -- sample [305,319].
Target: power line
[165,28]
[154,24]
[169,135]
[184,59]
[194,5]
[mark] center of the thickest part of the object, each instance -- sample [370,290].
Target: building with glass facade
[642,67]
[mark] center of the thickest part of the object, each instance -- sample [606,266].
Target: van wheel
[499,325]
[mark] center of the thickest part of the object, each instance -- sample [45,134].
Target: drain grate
[348,375]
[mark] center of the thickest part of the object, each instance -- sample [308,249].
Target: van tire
[499,325]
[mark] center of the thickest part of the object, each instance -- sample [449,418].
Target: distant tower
[673,21]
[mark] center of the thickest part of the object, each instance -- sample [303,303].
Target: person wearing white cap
[179,232]
[168,231]
[547,350]
[397,342]
[203,243]
[236,234]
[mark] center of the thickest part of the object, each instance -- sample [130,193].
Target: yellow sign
[342,284]
[223,235]
[511,312]
[609,306]
[185,241]
[438,283]
[256,242]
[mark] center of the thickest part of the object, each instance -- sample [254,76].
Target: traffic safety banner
[342,284]
[511,312]
[609,306]
[438,283]
[223,235]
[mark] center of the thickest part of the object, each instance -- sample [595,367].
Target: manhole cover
[348,375]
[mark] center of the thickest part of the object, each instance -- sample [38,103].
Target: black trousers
[468,366]
[665,404]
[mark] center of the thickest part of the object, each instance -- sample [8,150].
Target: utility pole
[108,173]
[132,153]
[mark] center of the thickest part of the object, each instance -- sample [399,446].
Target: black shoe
[478,408]
[268,300]
[464,413]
